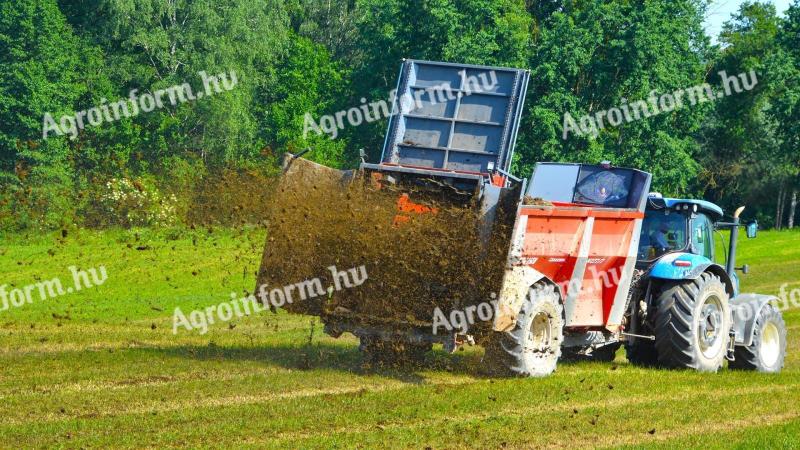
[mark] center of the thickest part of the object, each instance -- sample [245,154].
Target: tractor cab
[677,241]
[678,226]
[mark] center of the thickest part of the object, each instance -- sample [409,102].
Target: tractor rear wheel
[533,346]
[641,352]
[768,350]
[692,324]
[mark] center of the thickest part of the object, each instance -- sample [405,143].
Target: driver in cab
[659,240]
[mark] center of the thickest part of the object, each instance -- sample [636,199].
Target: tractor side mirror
[752,229]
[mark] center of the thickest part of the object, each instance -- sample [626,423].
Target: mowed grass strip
[102,368]
[775,430]
[478,414]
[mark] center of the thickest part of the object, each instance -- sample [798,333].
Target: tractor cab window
[702,239]
[663,231]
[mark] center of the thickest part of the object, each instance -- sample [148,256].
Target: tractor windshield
[663,231]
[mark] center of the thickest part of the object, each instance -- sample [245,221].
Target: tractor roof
[702,205]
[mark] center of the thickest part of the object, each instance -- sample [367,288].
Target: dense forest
[284,60]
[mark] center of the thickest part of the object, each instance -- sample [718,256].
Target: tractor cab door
[702,236]
[663,231]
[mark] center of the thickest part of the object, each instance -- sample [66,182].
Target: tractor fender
[665,269]
[745,309]
[517,281]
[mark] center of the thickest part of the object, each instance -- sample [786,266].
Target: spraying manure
[385,251]
[410,249]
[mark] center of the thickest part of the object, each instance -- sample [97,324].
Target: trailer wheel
[692,324]
[768,350]
[533,346]
[382,353]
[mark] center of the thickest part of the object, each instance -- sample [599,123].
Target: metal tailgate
[455,117]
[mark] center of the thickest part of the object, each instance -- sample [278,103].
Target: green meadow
[101,367]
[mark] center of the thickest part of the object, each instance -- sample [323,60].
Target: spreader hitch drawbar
[639,336]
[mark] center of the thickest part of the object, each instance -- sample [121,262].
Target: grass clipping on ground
[320,217]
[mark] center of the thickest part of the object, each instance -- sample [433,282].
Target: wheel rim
[710,332]
[770,344]
[539,333]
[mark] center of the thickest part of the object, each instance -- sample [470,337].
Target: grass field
[101,367]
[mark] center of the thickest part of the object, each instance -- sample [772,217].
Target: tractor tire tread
[748,358]
[674,322]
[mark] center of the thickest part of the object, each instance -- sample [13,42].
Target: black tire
[379,353]
[642,352]
[768,351]
[572,354]
[533,346]
[606,353]
[692,324]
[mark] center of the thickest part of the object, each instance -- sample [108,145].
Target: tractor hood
[688,266]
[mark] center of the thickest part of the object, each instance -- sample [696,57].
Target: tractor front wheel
[692,324]
[533,346]
[768,350]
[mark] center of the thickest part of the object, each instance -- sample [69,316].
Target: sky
[721,10]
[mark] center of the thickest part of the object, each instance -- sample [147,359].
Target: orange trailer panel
[588,253]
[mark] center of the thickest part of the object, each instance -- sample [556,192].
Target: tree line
[297,57]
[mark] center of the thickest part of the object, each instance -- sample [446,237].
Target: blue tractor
[686,310]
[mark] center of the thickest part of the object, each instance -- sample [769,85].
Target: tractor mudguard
[745,309]
[666,269]
[517,281]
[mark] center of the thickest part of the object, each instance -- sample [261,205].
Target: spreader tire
[533,346]
[768,350]
[692,324]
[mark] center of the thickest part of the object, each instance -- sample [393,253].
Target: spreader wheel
[533,346]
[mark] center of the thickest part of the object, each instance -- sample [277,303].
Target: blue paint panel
[455,116]
[666,269]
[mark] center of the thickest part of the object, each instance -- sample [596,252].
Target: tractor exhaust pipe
[731,264]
